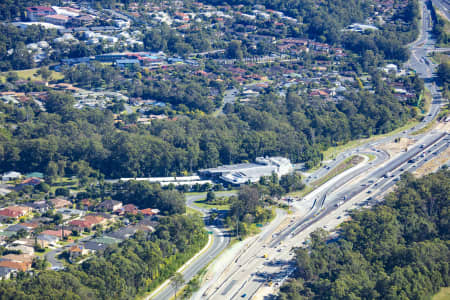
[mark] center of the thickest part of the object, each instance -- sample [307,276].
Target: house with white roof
[11,175]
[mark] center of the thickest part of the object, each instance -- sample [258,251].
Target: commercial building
[57,19]
[249,172]
[36,13]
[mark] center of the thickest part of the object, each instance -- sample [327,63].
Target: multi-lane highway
[267,260]
[443,6]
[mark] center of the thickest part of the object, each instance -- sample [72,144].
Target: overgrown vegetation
[443,73]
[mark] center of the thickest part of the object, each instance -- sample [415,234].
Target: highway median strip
[343,166]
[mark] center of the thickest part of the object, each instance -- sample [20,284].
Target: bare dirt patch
[433,165]
[394,148]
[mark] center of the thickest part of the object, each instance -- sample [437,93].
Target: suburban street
[220,241]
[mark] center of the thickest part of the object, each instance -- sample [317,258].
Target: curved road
[221,240]
[244,280]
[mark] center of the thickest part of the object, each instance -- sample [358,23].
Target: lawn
[202,204]
[41,254]
[303,192]
[370,156]
[193,212]
[444,294]
[439,57]
[425,128]
[343,166]
[64,182]
[32,75]
[218,193]
[428,99]
[441,16]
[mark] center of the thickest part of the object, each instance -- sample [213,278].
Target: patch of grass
[202,204]
[41,254]
[370,156]
[32,75]
[346,164]
[193,212]
[441,16]
[343,166]
[305,191]
[427,103]
[64,182]
[444,294]
[439,57]
[195,193]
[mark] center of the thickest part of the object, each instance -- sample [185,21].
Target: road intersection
[266,258]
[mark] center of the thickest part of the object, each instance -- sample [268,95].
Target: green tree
[210,196]
[234,50]
[177,281]
[45,73]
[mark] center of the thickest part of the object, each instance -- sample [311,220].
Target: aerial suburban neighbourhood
[168,149]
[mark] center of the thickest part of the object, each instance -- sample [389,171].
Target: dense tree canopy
[289,126]
[398,250]
[144,194]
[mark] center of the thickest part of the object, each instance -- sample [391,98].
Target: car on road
[244,295]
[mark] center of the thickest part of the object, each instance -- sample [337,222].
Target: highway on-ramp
[268,261]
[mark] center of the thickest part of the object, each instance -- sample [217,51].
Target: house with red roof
[15,212]
[87,223]
[14,265]
[31,181]
[58,233]
[77,251]
[60,203]
[86,203]
[149,211]
[128,209]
